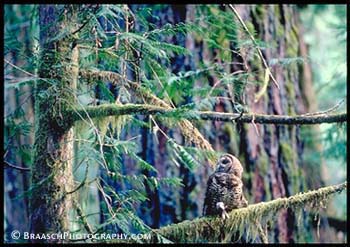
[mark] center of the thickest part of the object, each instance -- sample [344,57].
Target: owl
[224,188]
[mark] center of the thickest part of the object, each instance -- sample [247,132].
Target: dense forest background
[130,173]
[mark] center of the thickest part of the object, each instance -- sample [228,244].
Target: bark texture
[52,168]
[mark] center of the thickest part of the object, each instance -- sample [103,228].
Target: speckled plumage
[224,187]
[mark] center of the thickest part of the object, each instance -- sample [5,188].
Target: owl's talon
[220,206]
[225,215]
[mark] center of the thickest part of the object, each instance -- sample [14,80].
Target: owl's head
[228,163]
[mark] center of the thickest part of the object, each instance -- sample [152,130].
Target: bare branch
[143,109]
[333,108]
[82,217]
[17,167]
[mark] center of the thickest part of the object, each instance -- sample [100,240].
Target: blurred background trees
[142,172]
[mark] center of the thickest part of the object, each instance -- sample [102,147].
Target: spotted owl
[224,188]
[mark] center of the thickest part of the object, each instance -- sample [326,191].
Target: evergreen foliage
[125,60]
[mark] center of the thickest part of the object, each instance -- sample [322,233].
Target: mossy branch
[209,229]
[144,109]
[190,132]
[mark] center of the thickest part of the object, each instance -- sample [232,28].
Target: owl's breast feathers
[226,188]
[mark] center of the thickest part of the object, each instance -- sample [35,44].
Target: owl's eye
[225,161]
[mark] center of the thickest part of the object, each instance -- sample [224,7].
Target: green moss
[264,167]
[263,163]
[229,130]
[291,169]
[209,229]
[53,146]
[279,28]
[259,11]
[287,151]
[290,90]
[292,44]
[250,27]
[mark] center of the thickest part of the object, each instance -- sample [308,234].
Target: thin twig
[82,182]
[222,79]
[26,72]
[86,224]
[81,27]
[87,20]
[20,69]
[20,105]
[106,50]
[161,84]
[333,108]
[254,42]
[255,127]
[158,128]
[17,167]
[107,198]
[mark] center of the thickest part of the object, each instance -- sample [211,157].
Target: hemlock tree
[121,97]
[52,170]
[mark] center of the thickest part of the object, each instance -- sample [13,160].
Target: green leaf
[175,182]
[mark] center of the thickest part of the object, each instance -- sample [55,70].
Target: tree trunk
[270,153]
[52,169]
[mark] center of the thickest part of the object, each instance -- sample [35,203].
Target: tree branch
[190,132]
[208,228]
[17,167]
[82,217]
[144,109]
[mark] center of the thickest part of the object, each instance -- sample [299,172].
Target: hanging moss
[102,125]
[210,229]
[118,123]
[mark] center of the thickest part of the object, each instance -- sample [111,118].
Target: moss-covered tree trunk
[52,169]
[272,153]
